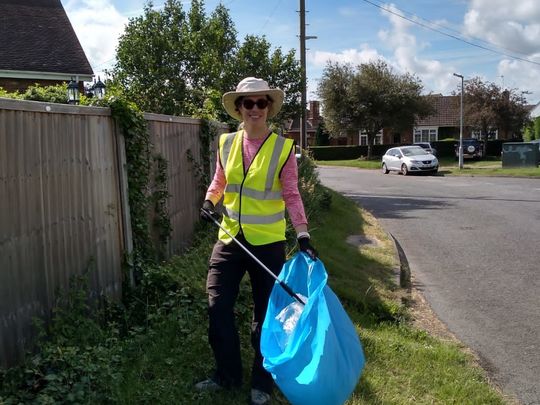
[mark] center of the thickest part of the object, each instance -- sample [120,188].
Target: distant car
[427,146]
[409,159]
[298,152]
[472,148]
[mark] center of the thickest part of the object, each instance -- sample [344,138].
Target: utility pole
[303,97]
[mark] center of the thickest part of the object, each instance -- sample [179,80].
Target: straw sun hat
[251,86]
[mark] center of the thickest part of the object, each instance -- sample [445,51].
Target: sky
[497,40]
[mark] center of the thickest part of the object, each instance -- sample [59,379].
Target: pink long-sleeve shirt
[288,177]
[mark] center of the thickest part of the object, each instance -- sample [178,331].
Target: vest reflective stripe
[280,142]
[227,149]
[256,194]
[253,197]
[256,219]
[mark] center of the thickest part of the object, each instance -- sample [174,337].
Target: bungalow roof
[447,112]
[37,36]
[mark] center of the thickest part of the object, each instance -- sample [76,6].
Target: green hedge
[347,152]
[444,149]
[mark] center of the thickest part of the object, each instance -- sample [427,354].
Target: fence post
[127,234]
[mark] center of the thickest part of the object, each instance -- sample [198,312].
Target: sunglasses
[261,103]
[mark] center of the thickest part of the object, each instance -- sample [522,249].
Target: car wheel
[404,169]
[384,169]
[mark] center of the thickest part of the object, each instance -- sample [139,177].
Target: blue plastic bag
[320,362]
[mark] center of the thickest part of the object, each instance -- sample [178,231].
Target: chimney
[313,114]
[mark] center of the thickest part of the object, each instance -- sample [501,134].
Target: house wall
[64,210]
[13,84]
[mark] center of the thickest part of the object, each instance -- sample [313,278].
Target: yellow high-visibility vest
[253,200]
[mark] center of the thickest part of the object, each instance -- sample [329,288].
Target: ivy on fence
[141,159]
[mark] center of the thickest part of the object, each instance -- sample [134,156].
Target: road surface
[473,243]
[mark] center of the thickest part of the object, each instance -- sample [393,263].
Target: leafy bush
[50,94]
[75,360]
[37,92]
[5,94]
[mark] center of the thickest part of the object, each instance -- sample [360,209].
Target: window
[426,134]
[376,141]
[492,134]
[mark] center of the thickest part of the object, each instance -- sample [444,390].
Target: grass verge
[449,167]
[159,359]
[359,163]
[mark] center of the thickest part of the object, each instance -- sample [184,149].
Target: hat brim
[230,97]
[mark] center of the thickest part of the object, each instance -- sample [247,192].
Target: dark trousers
[228,264]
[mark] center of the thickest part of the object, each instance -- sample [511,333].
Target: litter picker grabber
[280,282]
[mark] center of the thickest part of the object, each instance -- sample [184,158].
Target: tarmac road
[473,244]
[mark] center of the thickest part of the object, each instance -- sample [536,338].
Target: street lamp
[460,151]
[73,92]
[99,89]
[95,89]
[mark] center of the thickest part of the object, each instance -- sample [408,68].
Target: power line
[450,35]
[453,30]
[270,16]
[103,63]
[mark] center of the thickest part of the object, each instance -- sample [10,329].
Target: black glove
[208,212]
[305,246]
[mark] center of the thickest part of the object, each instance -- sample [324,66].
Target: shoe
[259,397]
[208,385]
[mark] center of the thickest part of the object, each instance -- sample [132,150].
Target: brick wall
[14,84]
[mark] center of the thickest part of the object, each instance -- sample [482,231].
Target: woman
[257,176]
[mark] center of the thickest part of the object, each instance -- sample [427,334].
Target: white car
[409,159]
[427,146]
[298,153]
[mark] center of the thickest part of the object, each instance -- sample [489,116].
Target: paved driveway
[474,245]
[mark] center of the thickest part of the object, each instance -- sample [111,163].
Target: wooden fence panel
[172,138]
[63,207]
[59,211]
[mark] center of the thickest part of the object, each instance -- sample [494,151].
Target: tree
[512,113]
[173,62]
[334,90]
[152,60]
[532,130]
[255,58]
[370,98]
[479,101]
[212,46]
[322,138]
[488,107]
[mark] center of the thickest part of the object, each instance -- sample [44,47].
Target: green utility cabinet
[520,154]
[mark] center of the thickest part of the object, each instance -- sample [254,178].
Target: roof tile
[37,36]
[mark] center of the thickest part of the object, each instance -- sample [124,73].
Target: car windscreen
[413,151]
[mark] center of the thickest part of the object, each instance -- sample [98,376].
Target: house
[38,45]
[444,123]
[313,119]
[534,111]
